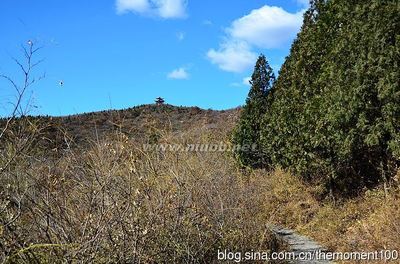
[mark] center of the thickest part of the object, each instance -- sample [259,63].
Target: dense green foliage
[334,113]
[248,131]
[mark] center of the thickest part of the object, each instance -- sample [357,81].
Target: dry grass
[112,202]
[367,223]
[115,203]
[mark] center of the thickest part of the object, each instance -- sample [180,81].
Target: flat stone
[298,244]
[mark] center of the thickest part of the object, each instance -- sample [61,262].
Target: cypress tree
[248,131]
[334,117]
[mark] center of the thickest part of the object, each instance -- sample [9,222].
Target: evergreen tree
[248,131]
[334,117]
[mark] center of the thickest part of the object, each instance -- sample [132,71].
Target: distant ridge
[135,122]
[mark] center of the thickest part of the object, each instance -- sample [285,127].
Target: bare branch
[12,82]
[20,65]
[37,63]
[36,49]
[26,68]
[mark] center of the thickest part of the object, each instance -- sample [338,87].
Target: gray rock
[299,244]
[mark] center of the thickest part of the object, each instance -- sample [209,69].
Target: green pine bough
[333,114]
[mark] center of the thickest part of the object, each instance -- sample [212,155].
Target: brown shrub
[367,223]
[115,202]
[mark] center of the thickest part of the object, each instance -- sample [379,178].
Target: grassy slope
[106,200]
[368,222]
[194,201]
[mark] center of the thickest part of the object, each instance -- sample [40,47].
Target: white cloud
[178,74]
[246,81]
[161,8]
[232,56]
[171,8]
[267,27]
[140,6]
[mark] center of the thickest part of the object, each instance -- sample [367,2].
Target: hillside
[106,199]
[138,120]
[138,123]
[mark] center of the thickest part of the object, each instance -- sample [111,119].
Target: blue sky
[121,53]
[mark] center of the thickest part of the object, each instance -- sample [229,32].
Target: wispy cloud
[139,6]
[162,8]
[246,81]
[303,3]
[236,84]
[178,74]
[268,27]
[180,35]
[207,22]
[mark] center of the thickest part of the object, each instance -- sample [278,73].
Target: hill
[84,189]
[102,197]
[138,122]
